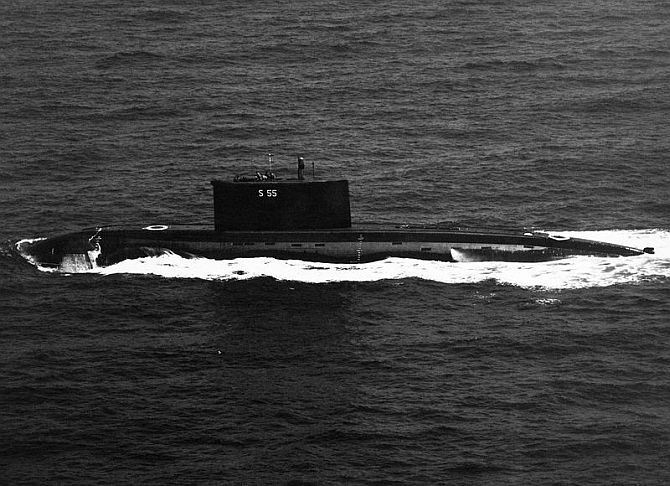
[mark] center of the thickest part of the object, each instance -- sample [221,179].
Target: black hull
[108,245]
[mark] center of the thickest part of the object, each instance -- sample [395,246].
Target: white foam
[576,272]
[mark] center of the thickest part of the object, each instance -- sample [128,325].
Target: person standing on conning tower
[301,169]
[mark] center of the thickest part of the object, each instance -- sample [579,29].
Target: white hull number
[267,193]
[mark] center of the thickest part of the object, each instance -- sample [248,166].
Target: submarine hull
[99,247]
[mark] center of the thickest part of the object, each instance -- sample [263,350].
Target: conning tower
[281,205]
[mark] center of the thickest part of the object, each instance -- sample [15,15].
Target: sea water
[167,370]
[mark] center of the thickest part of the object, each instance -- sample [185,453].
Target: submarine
[263,216]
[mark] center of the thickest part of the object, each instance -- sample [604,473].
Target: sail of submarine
[303,220]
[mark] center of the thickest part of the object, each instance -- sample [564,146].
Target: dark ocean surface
[164,370]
